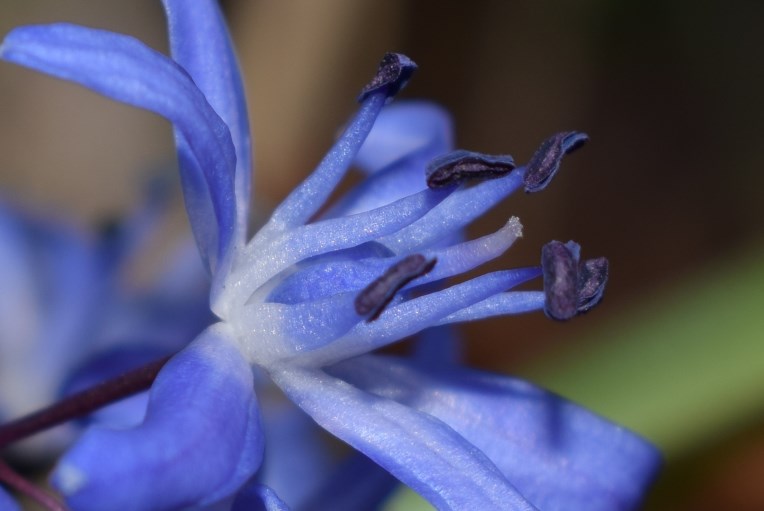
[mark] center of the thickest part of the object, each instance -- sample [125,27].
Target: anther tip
[395,70]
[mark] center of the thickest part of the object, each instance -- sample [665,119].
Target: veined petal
[557,454]
[405,137]
[326,236]
[200,440]
[458,210]
[123,69]
[200,42]
[305,200]
[417,448]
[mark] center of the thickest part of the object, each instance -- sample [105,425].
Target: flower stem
[21,485]
[82,403]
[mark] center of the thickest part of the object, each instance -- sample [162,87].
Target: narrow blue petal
[258,497]
[462,257]
[326,236]
[328,276]
[125,70]
[200,441]
[458,210]
[558,455]
[502,304]
[199,41]
[305,200]
[404,139]
[417,448]
[412,316]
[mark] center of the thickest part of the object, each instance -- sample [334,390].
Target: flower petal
[558,455]
[267,255]
[126,70]
[405,128]
[502,304]
[199,41]
[394,71]
[417,448]
[200,441]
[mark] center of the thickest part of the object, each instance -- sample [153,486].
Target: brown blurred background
[668,188]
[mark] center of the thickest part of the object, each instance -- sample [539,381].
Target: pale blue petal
[557,454]
[327,276]
[201,439]
[305,200]
[406,136]
[417,448]
[502,304]
[199,41]
[458,210]
[125,70]
[406,318]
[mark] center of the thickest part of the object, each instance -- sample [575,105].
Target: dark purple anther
[592,277]
[545,162]
[394,72]
[559,265]
[375,297]
[458,166]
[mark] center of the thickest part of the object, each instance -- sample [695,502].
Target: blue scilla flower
[311,295]
[68,316]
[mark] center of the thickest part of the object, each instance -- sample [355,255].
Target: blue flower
[67,317]
[311,295]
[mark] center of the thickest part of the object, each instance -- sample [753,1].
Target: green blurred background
[670,187]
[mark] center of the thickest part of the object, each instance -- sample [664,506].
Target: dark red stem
[82,403]
[21,485]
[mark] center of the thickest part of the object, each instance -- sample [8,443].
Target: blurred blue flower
[71,318]
[311,295]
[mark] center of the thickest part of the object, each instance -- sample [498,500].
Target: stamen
[559,263]
[458,166]
[546,160]
[375,297]
[394,72]
[592,277]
